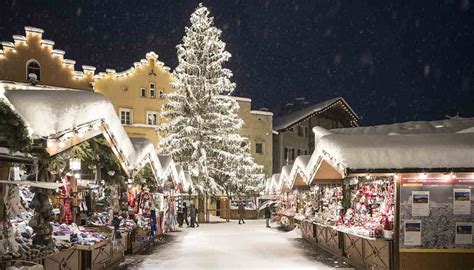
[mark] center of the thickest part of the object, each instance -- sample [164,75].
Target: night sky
[392,61]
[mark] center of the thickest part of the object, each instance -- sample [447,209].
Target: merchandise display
[369,213]
[371,209]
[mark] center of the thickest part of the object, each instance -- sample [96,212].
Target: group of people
[183,215]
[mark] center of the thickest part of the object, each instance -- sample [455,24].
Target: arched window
[33,67]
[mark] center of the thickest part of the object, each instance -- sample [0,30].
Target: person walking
[185,214]
[192,214]
[268,215]
[241,210]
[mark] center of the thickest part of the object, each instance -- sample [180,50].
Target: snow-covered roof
[445,145]
[168,168]
[376,152]
[451,125]
[51,111]
[285,121]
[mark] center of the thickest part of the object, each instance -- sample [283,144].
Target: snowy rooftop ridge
[369,149]
[285,121]
[149,58]
[20,40]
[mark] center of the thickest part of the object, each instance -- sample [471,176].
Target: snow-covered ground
[233,246]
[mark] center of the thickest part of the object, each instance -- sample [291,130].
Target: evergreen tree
[201,132]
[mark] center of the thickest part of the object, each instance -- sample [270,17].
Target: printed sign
[463,233]
[412,233]
[462,201]
[420,206]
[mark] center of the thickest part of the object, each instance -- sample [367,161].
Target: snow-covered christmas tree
[201,132]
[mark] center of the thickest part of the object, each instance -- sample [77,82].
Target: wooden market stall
[404,200]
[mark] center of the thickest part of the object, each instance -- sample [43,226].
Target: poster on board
[420,206]
[412,233]
[463,233]
[462,201]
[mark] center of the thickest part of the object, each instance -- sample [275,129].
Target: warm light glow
[75,164]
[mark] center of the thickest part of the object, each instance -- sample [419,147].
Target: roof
[456,124]
[445,145]
[376,152]
[49,111]
[288,120]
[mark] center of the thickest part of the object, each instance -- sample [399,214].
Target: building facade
[258,126]
[137,95]
[293,128]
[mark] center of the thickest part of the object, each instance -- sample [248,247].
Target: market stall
[384,201]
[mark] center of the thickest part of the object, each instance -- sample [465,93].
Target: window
[259,148]
[299,152]
[152,118]
[143,92]
[285,154]
[306,134]
[33,69]
[300,131]
[125,116]
[293,152]
[152,90]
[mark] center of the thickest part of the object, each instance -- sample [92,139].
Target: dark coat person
[241,210]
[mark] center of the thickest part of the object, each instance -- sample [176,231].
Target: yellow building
[31,54]
[258,129]
[137,95]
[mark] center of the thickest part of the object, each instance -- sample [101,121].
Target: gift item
[372,208]
[330,205]
[40,222]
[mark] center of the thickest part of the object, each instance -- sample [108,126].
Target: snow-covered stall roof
[145,153]
[168,168]
[297,175]
[445,145]
[58,114]
[416,152]
[285,121]
[276,182]
[452,125]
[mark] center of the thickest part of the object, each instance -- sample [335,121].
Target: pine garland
[13,129]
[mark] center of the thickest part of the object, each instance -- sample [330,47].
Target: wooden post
[395,254]
[4,171]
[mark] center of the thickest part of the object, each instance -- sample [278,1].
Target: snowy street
[234,246]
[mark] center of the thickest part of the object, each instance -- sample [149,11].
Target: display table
[360,251]
[65,259]
[308,231]
[137,241]
[103,255]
